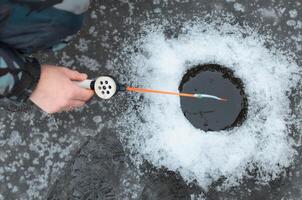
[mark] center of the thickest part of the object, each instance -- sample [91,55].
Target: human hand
[55,91]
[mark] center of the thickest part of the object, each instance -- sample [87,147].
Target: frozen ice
[268,13]
[97,119]
[293,13]
[239,7]
[291,22]
[88,62]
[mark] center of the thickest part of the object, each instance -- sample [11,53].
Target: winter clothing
[28,26]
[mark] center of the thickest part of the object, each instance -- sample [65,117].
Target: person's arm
[56,90]
[51,88]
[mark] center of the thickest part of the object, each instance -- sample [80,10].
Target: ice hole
[210,114]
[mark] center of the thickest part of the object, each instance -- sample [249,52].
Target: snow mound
[159,132]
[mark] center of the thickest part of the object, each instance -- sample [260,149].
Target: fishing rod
[106,87]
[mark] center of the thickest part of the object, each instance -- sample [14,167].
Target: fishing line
[199,96]
[106,87]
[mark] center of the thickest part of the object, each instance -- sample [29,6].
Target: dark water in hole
[209,114]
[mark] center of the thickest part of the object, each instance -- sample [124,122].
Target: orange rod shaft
[142,90]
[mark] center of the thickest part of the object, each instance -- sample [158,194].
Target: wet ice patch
[159,132]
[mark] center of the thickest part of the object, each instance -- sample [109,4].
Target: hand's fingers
[82,94]
[74,75]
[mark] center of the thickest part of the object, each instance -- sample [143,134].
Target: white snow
[162,135]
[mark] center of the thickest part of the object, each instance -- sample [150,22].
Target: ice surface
[293,13]
[239,7]
[160,133]
[23,169]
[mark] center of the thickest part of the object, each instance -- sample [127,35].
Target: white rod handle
[84,84]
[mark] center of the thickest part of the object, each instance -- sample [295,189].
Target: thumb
[74,75]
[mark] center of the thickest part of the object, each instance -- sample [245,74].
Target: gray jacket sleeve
[18,74]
